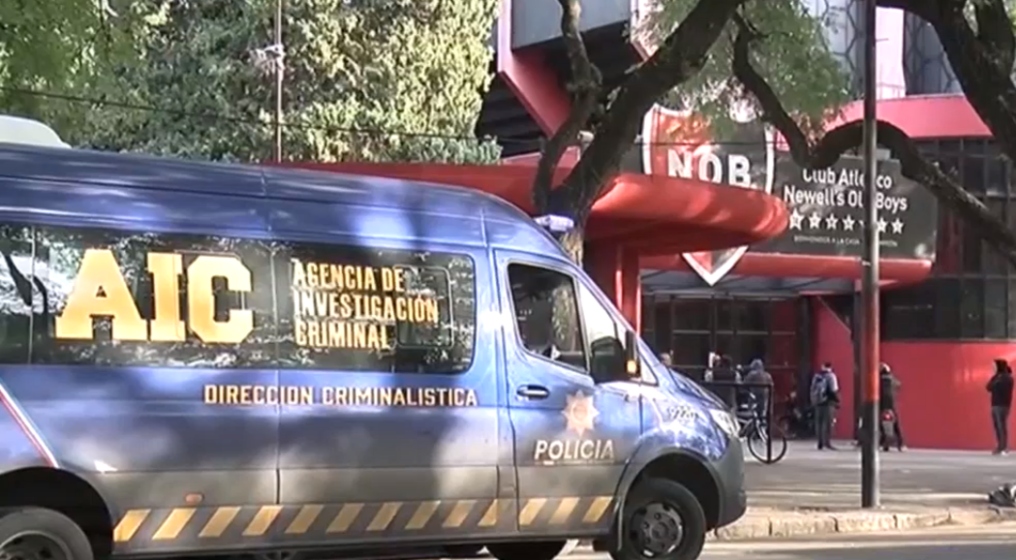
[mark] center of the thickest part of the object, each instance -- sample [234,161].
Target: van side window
[546,312]
[599,323]
[601,328]
[96,296]
[363,308]
[121,298]
[17,292]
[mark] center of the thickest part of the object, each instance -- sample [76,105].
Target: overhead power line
[119,104]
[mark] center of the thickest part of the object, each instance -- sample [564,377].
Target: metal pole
[279,73]
[869,282]
[769,424]
[857,310]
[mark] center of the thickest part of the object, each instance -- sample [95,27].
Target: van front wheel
[662,521]
[41,534]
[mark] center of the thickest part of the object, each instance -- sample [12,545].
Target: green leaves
[358,73]
[792,52]
[58,45]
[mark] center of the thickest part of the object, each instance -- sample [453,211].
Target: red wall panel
[831,341]
[943,403]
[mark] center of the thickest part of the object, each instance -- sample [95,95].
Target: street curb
[783,524]
[800,523]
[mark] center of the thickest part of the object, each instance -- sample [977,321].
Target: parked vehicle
[205,359]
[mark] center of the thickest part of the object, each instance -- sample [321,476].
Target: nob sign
[826,206]
[682,144]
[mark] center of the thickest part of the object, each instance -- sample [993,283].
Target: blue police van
[207,359]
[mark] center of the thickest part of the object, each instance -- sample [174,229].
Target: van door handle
[535,392]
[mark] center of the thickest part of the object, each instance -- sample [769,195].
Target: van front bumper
[728,471]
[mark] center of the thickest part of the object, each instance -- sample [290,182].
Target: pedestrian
[760,384]
[725,380]
[825,397]
[889,386]
[711,362]
[1001,386]
[666,360]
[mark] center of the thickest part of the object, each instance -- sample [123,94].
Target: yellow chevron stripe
[597,509]
[384,516]
[303,520]
[219,522]
[564,511]
[422,515]
[531,510]
[458,515]
[489,518]
[131,522]
[262,521]
[345,518]
[174,523]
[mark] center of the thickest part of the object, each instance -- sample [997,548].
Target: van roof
[19,130]
[134,171]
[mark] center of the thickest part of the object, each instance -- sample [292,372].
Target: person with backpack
[825,397]
[1001,387]
[888,388]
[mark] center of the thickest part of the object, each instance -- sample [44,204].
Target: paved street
[809,478]
[997,542]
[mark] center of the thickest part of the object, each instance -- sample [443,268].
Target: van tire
[544,550]
[40,529]
[666,503]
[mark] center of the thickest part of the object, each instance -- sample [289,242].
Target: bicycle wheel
[757,444]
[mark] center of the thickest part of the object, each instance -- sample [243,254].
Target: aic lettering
[709,167]
[100,290]
[353,306]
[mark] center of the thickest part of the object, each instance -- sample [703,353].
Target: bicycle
[757,435]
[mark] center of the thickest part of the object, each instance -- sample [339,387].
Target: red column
[616,271]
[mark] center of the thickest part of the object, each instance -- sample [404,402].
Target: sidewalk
[812,492]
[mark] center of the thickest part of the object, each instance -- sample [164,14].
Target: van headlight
[726,421]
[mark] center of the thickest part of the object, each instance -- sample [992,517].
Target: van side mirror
[631,355]
[612,361]
[606,360]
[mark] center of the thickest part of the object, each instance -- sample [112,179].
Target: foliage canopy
[360,79]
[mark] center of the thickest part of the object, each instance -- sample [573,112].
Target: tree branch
[681,56]
[994,31]
[988,88]
[825,152]
[585,86]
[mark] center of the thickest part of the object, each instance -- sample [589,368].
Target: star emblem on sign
[795,219]
[897,226]
[882,224]
[580,414]
[831,221]
[848,223]
[814,221]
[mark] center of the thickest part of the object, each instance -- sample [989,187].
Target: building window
[969,294]
[743,328]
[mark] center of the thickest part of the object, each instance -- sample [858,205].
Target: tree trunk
[680,57]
